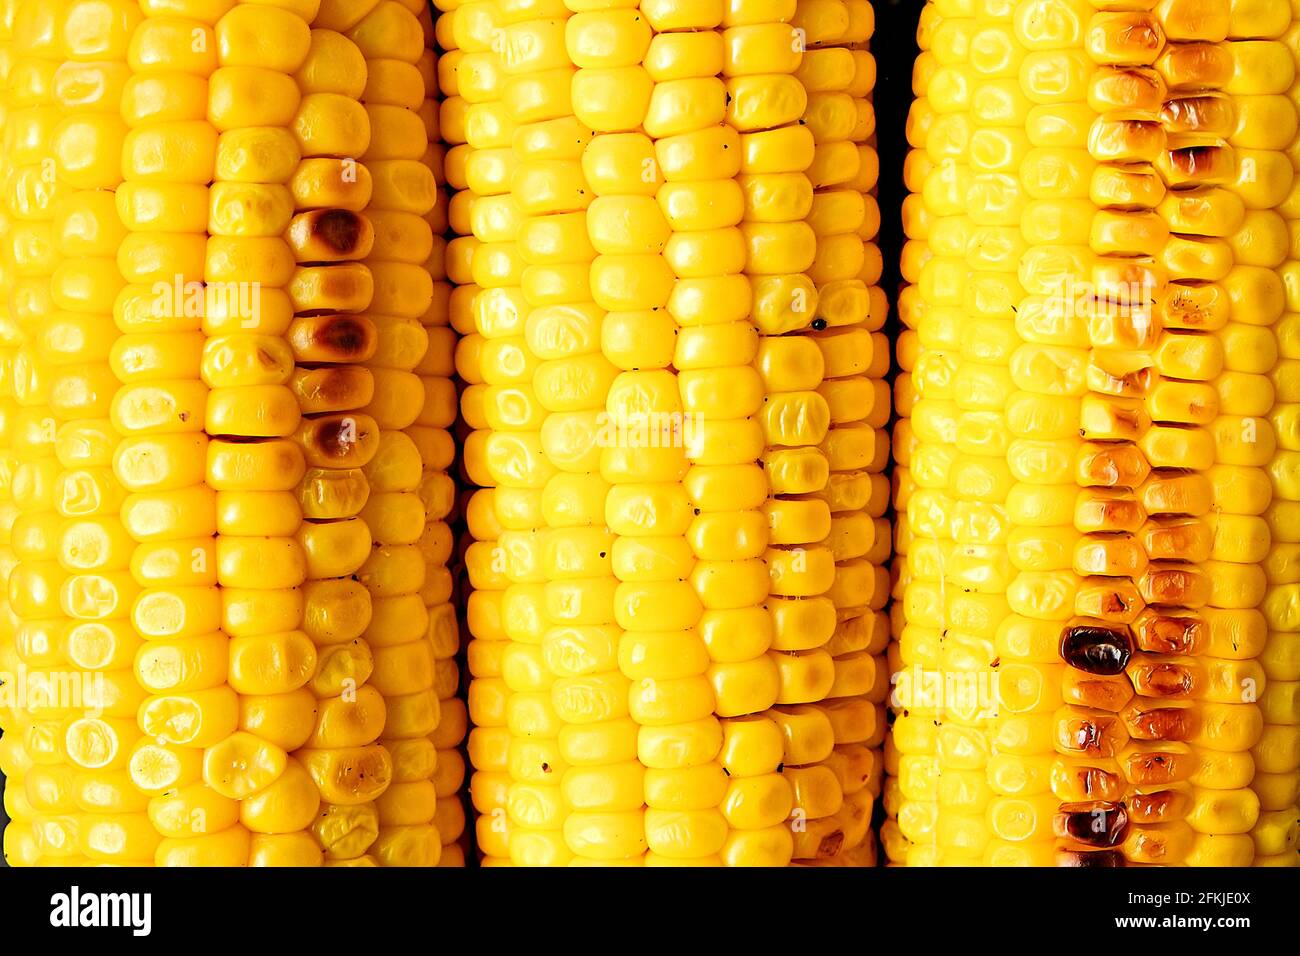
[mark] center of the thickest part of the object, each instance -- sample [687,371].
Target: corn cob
[1172,447]
[620,629]
[1140,157]
[194,163]
[437,488]
[574,217]
[82,347]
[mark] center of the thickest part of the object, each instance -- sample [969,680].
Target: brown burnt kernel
[1121,465]
[339,229]
[1174,584]
[1180,539]
[1112,600]
[1162,679]
[1099,513]
[1166,634]
[333,388]
[1195,66]
[1099,824]
[1087,736]
[831,844]
[336,436]
[338,441]
[1202,113]
[1101,693]
[1146,768]
[330,235]
[333,338]
[1160,806]
[1101,784]
[1199,162]
[1089,858]
[1096,650]
[1161,723]
[342,333]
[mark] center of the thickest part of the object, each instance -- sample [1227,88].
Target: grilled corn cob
[212,531]
[1098,256]
[635,233]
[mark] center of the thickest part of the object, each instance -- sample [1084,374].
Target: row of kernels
[408,552]
[955,392]
[94,546]
[916,625]
[470,125]
[1212,537]
[48,825]
[1117,327]
[606,666]
[743,359]
[690,111]
[821,288]
[162,460]
[1045,349]
[526,53]
[332,337]
[437,487]
[839,74]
